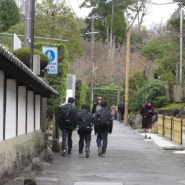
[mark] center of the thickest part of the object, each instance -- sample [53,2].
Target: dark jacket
[121,106]
[97,126]
[94,107]
[73,118]
[147,112]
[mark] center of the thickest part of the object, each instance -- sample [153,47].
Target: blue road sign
[52,54]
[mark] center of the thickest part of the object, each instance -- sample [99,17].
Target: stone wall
[17,153]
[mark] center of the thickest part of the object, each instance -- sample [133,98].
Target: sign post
[52,54]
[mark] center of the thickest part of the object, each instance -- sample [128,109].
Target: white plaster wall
[21,110]
[1,103]
[30,111]
[37,112]
[10,117]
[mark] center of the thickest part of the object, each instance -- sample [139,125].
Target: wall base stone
[17,153]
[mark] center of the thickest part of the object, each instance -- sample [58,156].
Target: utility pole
[127,75]
[92,60]
[29,28]
[181,41]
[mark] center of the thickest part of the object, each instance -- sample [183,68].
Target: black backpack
[65,115]
[105,117]
[85,121]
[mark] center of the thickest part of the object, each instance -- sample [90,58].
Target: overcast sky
[155,15]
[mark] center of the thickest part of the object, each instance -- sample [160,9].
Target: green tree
[137,81]
[110,18]
[54,20]
[164,52]
[17,28]
[9,14]
[153,90]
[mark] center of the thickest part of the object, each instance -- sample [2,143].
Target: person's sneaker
[69,154]
[64,153]
[87,153]
[80,154]
[145,136]
[103,155]
[99,151]
[149,137]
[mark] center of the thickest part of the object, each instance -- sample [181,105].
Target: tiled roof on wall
[10,58]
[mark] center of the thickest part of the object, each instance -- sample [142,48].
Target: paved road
[130,160]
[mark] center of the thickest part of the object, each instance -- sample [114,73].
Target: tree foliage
[9,14]
[137,81]
[153,90]
[164,52]
[54,19]
[58,81]
[17,28]
[109,19]
[24,55]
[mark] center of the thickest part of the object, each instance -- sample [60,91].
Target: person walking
[102,127]
[97,105]
[67,123]
[121,109]
[84,128]
[113,112]
[147,112]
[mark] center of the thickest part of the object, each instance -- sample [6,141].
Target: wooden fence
[170,128]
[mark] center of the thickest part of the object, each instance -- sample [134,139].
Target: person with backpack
[102,127]
[67,123]
[121,109]
[84,128]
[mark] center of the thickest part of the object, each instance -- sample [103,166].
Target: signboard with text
[52,54]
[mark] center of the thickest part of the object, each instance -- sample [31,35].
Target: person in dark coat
[147,112]
[102,131]
[84,131]
[97,105]
[67,129]
[121,109]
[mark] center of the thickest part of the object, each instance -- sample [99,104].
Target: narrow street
[130,160]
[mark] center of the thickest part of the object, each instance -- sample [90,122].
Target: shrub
[24,55]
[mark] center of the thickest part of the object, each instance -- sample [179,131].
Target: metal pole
[27,20]
[127,77]
[92,59]
[181,41]
[32,32]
